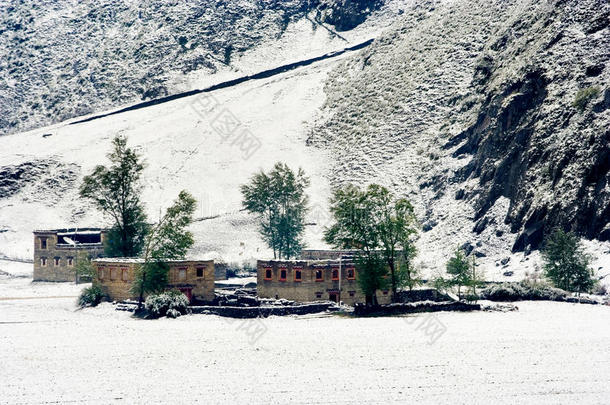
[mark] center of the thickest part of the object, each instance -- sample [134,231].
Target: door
[333,296]
[188,292]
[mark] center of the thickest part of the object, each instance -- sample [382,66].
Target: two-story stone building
[312,280]
[57,250]
[195,278]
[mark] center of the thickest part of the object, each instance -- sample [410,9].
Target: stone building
[194,278]
[312,280]
[57,250]
[220,271]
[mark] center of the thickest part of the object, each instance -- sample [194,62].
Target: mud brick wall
[309,288]
[116,278]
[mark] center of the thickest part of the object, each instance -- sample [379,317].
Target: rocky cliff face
[542,136]
[493,116]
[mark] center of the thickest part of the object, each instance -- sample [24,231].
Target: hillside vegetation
[477,109]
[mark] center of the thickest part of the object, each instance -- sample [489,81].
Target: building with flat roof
[312,280]
[194,278]
[57,250]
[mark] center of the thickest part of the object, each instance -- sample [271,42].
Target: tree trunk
[141,297]
[393,275]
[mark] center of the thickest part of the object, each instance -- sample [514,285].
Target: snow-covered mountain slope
[468,107]
[443,107]
[62,58]
[182,151]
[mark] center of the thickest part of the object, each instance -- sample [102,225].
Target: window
[352,293]
[125,275]
[268,273]
[56,261]
[319,275]
[318,295]
[114,273]
[181,274]
[100,274]
[351,273]
[43,243]
[282,274]
[43,261]
[70,261]
[298,275]
[199,271]
[385,292]
[335,274]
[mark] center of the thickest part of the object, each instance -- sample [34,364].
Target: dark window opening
[268,274]
[351,274]
[199,272]
[56,261]
[335,274]
[352,293]
[43,243]
[75,238]
[297,275]
[319,276]
[282,274]
[318,295]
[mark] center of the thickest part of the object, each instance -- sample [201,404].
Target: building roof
[140,260]
[72,231]
[344,260]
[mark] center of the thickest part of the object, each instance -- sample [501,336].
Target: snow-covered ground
[553,353]
[236,281]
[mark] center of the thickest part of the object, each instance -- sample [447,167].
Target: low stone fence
[422,294]
[264,311]
[408,308]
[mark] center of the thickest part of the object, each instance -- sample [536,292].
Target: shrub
[600,289]
[90,296]
[566,264]
[584,96]
[522,291]
[472,298]
[441,284]
[170,303]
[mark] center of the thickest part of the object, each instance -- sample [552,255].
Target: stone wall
[116,277]
[342,286]
[220,271]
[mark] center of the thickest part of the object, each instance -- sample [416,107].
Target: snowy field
[546,353]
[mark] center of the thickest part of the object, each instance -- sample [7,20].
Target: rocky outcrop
[536,140]
[346,14]
[493,117]
[44,180]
